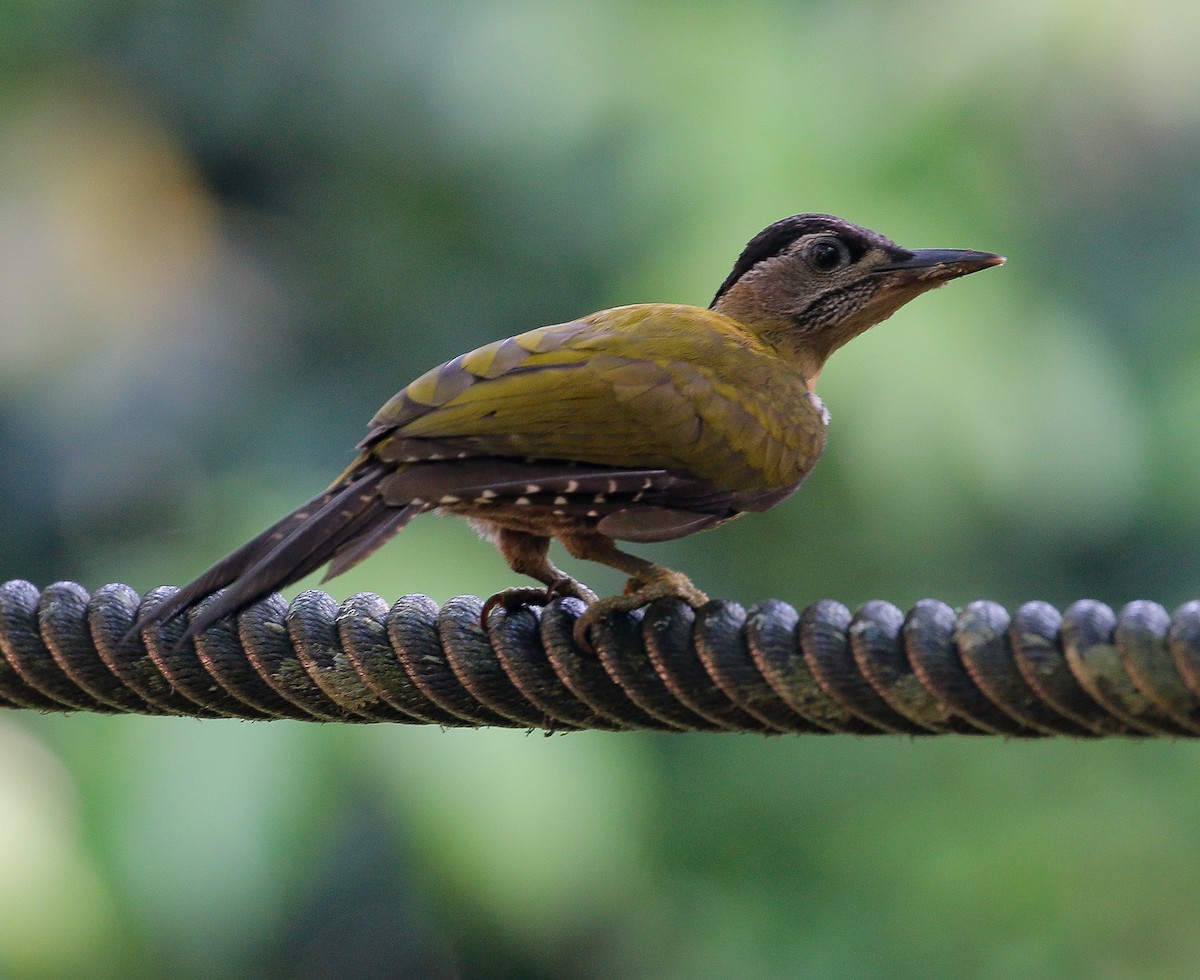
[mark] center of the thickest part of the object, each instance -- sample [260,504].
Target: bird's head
[809,283]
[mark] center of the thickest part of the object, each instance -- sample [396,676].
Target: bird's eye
[827,254]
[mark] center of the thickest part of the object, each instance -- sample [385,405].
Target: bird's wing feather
[649,387]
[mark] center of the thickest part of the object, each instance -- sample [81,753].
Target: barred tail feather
[345,523]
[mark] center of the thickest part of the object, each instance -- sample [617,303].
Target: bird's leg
[527,554]
[647,581]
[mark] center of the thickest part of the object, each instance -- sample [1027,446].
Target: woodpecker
[639,423]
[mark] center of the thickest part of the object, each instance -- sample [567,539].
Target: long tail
[342,526]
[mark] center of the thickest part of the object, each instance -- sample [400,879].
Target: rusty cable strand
[1086,673]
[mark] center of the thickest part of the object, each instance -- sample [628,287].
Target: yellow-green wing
[652,386]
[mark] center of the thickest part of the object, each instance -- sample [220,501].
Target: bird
[639,423]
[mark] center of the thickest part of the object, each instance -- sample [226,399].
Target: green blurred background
[229,231]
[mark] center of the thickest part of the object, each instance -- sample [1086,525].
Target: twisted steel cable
[931,671]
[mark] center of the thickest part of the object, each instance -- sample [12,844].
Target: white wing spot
[522,501]
[612,486]
[487,494]
[461,455]
[561,501]
[646,483]
[417,502]
[599,498]
[449,498]
[572,486]
[532,488]
[558,512]
[593,513]
[435,456]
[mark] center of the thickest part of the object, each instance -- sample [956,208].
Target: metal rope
[931,671]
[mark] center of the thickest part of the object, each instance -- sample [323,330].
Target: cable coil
[1086,673]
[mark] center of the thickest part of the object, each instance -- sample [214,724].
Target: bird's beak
[937,265]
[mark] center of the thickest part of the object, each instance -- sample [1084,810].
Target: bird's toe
[638,593]
[532,595]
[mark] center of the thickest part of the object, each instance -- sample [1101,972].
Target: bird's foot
[664,584]
[532,595]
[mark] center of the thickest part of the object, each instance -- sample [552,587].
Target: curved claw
[513,599]
[530,595]
[579,632]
